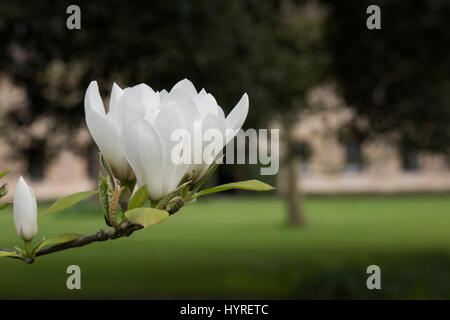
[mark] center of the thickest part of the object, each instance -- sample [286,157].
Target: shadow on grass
[424,276]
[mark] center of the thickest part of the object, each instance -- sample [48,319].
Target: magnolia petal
[115,113]
[93,101]
[187,87]
[166,123]
[138,100]
[106,137]
[163,93]
[202,92]
[187,110]
[206,104]
[145,154]
[214,131]
[236,118]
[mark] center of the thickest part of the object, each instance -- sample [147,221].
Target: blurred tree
[216,44]
[271,50]
[396,79]
[296,63]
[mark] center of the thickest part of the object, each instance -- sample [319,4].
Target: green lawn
[241,248]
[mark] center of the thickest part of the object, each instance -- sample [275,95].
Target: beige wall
[382,170]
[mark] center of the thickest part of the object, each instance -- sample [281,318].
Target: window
[303,151]
[353,157]
[36,161]
[410,160]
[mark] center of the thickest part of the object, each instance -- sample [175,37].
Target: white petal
[107,137]
[144,152]
[236,118]
[115,114]
[178,99]
[187,87]
[92,100]
[25,211]
[167,121]
[202,93]
[138,100]
[184,104]
[206,104]
[216,144]
[163,93]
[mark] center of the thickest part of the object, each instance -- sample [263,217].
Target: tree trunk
[294,193]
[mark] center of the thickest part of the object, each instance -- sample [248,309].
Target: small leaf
[8,254]
[4,173]
[146,216]
[105,166]
[207,175]
[103,195]
[63,238]
[4,205]
[254,185]
[3,190]
[68,201]
[164,200]
[139,198]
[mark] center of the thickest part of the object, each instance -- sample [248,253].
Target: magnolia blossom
[106,128]
[25,211]
[140,125]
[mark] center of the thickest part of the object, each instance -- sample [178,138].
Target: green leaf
[8,254]
[105,166]
[254,185]
[60,239]
[146,216]
[139,198]
[67,202]
[207,175]
[4,173]
[3,190]
[104,194]
[164,200]
[4,205]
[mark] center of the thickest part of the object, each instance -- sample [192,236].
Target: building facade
[326,164]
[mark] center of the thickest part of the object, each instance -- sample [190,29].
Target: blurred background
[364,121]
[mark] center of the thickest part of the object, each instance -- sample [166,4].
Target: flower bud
[25,211]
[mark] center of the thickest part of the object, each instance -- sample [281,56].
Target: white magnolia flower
[106,128]
[25,211]
[145,121]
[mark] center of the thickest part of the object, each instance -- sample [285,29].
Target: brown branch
[124,230]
